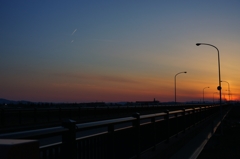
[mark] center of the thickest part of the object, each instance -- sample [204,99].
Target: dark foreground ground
[226,146]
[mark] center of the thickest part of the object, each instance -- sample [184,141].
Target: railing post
[79,112]
[205,112]
[35,115]
[136,124]
[20,116]
[194,117]
[184,120]
[95,111]
[69,146]
[201,114]
[48,115]
[2,117]
[177,125]
[108,111]
[111,141]
[60,113]
[167,126]
[153,121]
[70,112]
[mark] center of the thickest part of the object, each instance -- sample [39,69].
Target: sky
[115,51]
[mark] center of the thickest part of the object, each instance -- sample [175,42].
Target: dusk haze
[119,51]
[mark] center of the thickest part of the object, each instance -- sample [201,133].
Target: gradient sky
[112,51]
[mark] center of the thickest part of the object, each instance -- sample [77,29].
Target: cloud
[72,41]
[95,77]
[74,31]
[115,79]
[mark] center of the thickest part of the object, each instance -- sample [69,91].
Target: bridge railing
[117,138]
[12,118]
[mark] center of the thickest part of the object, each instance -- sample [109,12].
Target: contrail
[74,31]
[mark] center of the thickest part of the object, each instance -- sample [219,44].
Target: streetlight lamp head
[198,44]
[185,72]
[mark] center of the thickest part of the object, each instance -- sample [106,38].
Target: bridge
[181,132]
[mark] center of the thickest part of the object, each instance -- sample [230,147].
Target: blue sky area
[85,51]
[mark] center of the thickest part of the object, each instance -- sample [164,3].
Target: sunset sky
[114,51]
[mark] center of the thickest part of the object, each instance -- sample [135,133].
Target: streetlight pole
[228,90]
[203,92]
[219,81]
[176,84]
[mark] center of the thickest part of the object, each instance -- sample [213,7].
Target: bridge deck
[220,145]
[228,144]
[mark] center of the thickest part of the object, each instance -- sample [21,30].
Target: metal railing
[116,138]
[14,117]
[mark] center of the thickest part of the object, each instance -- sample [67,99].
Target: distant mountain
[6,101]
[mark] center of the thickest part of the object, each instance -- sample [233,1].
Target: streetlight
[219,80]
[213,96]
[228,90]
[203,92]
[176,84]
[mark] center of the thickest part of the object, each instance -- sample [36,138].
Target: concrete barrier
[19,149]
